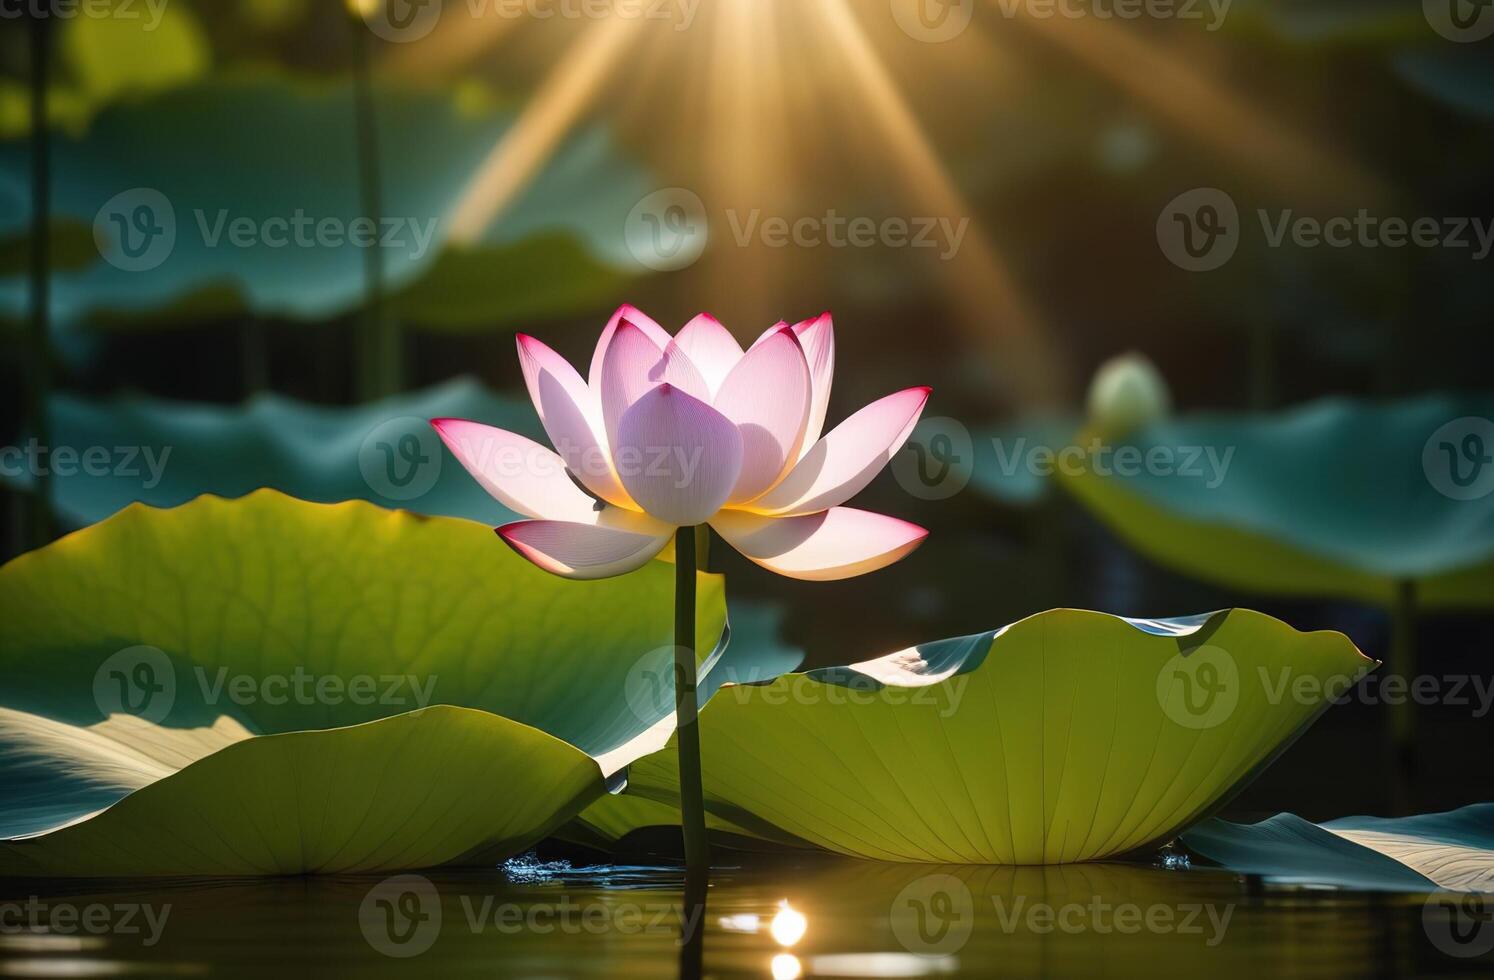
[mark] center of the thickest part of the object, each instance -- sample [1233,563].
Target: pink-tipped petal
[817,337]
[572,418]
[767,397]
[711,348]
[677,456]
[518,472]
[587,551]
[836,544]
[635,365]
[841,464]
[639,319]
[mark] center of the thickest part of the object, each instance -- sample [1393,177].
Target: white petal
[711,348]
[634,365]
[817,337]
[767,397]
[639,319]
[618,542]
[572,418]
[519,473]
[677,456]
[836,544]
[845,461]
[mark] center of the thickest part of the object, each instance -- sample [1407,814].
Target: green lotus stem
[703,547]
[379,344]
[692,797]
[1402,663]
[39,391]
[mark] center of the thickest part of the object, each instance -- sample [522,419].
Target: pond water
[767,919]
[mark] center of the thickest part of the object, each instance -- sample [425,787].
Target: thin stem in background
[692,796]
[39,367]
[379,346]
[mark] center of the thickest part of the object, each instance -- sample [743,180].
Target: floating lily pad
[1453,851]
[215,625]
[1069,736]
[1337,498]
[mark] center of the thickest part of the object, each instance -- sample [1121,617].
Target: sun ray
[988,301]
[1204,107]
[563,97]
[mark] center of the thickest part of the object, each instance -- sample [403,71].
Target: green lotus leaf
[190,147]
[1069,736]
[1337,498]
[441,785]
[226,622]
[1453,851]
[384,452]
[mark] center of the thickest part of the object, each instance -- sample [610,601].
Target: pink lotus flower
[674,432]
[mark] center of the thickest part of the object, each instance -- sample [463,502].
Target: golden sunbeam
[988,302]
[745,150]
[562,99]
[1205,108]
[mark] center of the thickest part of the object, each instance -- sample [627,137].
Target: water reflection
[769,919]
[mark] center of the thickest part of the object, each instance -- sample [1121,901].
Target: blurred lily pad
[1336,498]
[1453,851]
[165,453]
[239,193]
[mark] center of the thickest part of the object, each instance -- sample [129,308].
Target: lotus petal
[711,348]
[767,396]
[572,417]
[817,337]
[833,544]
[678,457]
[520,473]
[842,463]
[589,550]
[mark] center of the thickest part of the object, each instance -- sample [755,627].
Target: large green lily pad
[140,650]
[1069,736]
